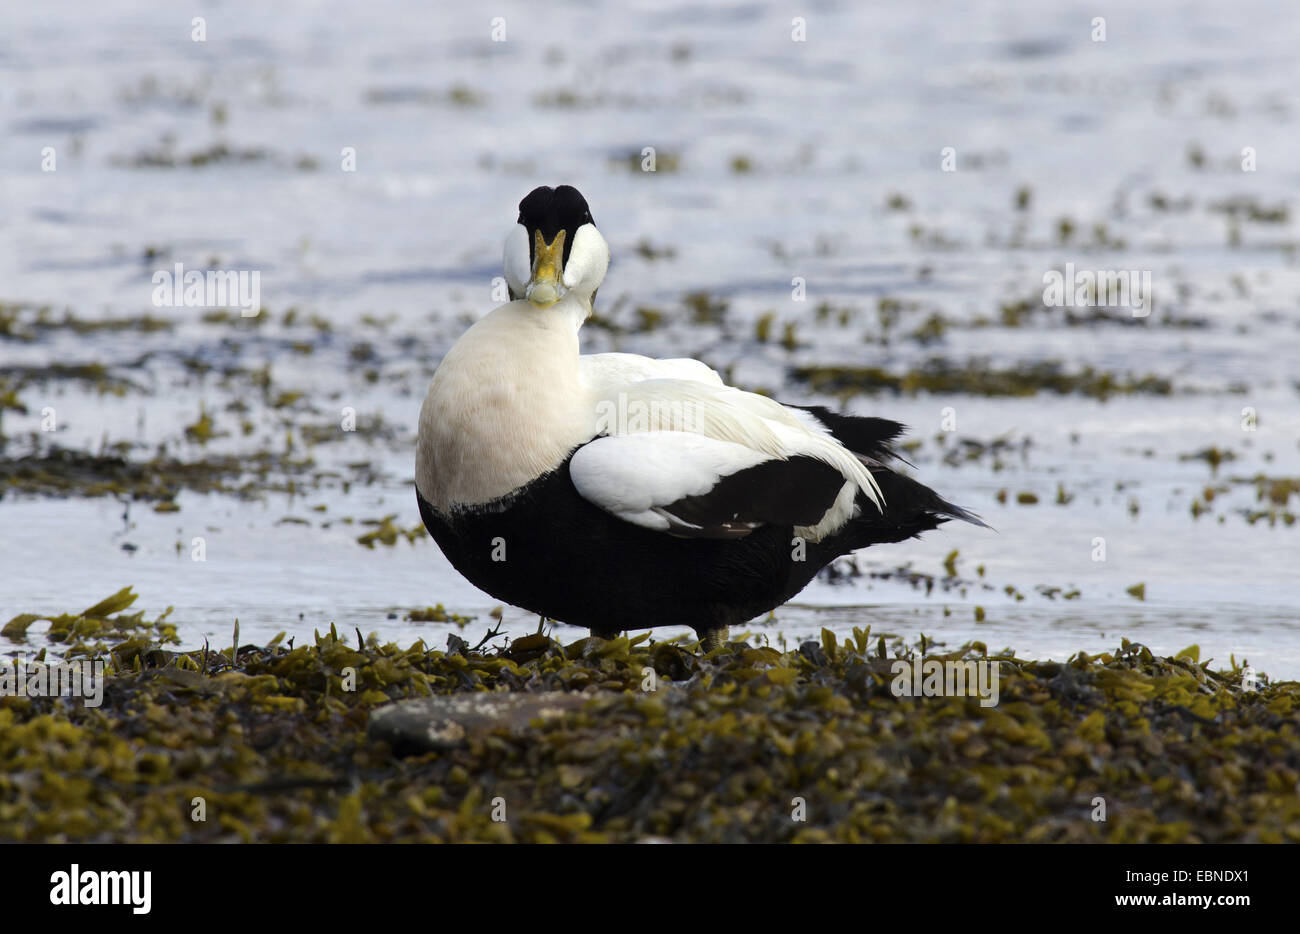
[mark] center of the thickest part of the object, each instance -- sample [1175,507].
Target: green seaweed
[274,741]
[975,378]
[61,471]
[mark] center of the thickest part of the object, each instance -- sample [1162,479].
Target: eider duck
[618,492]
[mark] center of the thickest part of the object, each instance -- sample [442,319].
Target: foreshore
[630,739]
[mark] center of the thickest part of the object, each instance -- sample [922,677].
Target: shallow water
[775,159]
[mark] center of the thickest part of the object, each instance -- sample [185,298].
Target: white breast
[504,406]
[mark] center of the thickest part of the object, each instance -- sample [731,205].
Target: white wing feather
[687,429]
[633,476]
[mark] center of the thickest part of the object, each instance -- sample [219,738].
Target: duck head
[555,249]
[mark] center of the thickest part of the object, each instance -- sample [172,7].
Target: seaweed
[631,739]
[939,375]
[62,471]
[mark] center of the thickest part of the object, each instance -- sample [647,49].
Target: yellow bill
[544,288]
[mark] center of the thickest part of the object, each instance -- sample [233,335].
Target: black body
[569,560]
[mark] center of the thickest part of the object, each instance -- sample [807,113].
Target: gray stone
[438,723]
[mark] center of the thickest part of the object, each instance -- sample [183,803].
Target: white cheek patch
[519,269]
[588,260]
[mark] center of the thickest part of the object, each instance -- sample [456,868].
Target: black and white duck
[619,492]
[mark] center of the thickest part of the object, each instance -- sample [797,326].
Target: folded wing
[698,487]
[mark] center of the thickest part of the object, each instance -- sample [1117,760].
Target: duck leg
[711,639]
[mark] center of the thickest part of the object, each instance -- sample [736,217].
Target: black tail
[861,434]
[910,507]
